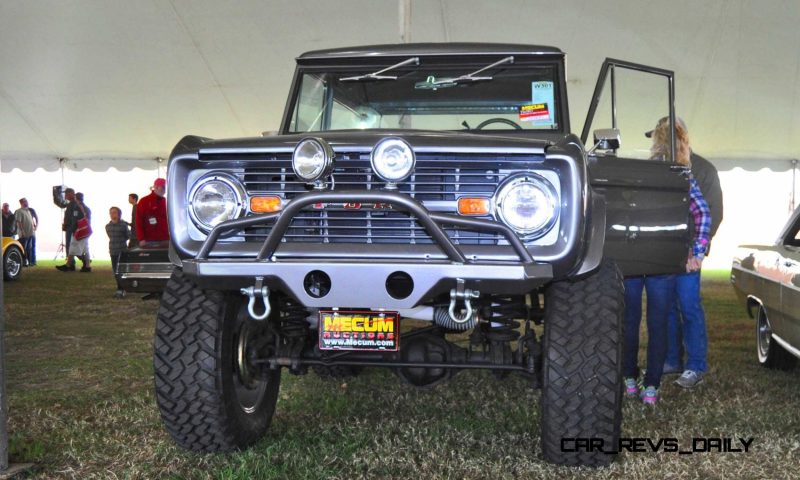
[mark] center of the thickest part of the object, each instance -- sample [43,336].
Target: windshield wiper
[377,75]
[470,77]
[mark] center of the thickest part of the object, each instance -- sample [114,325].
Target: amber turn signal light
[269,204]
[473,206]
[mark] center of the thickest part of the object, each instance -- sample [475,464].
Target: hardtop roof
[423,49]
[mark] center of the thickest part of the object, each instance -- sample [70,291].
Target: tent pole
[6,470]
[405,20]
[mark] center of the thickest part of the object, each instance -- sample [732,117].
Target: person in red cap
[151,215]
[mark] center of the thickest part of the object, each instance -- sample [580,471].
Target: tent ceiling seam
[36,130]
[207,64]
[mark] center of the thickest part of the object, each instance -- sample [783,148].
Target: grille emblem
[353,206]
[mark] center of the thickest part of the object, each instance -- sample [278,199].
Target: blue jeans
[660,297]
[26,245]
[31,252]
[688,319]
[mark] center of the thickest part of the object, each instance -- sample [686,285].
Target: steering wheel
[498,120]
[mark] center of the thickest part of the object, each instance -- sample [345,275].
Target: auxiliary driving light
[393,160]
[215,198]
[528,204]
[312,159]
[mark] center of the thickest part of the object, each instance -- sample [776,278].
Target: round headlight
[528,204]
[392,159]
[214,199]
[312,159]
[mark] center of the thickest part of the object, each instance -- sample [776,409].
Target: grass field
[81,405]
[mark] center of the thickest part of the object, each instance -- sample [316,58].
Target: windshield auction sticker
[359,330]
[534,113]
[542,93]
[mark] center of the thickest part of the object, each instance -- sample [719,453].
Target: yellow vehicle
[13,258]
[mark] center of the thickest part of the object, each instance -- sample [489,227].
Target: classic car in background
[145,270]
[13,258]
[767,280]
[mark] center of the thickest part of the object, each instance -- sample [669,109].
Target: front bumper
[362,282]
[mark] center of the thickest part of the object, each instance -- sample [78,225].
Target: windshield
[498,94]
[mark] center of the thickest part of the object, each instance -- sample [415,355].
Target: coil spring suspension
[293,323]
[504,311]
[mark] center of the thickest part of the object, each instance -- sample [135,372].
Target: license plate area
[359,330]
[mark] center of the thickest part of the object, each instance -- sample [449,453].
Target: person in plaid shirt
[662,290]
[118,233]
[687,318]
[701,214]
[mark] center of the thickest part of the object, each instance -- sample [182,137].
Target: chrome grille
[438,181]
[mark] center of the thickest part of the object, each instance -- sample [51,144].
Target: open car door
[647,199]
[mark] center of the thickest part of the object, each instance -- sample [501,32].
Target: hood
[365,140]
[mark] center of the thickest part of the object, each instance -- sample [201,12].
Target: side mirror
[606,139]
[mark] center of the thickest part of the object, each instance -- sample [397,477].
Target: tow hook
[464,294]
[261,291]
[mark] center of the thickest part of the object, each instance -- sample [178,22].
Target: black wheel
[208,393]
[582,366]
[12,263]
[770,353]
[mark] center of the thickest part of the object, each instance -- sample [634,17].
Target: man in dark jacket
[151,215]
[68,227]
[133,199]
[9,222]
[707,177]
[78,247]
[31,253]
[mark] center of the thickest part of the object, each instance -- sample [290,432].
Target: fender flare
[595,238]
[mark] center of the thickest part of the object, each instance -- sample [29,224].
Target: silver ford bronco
[413,193]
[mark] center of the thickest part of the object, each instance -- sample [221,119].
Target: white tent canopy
[120,79]
[114,84]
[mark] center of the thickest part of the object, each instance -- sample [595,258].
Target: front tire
[770,353]
[582,367]
[12,263]
[209,397]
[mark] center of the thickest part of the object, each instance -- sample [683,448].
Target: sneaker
[119,294]
[631,387]
[650,395]
[65,268]
[86,269]
[671,369]
[689,379]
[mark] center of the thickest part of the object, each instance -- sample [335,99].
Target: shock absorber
[499,330]
[293,323]
[294,331]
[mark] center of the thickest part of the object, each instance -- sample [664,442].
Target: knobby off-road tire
[209,402]
[582,366]
[771,354]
